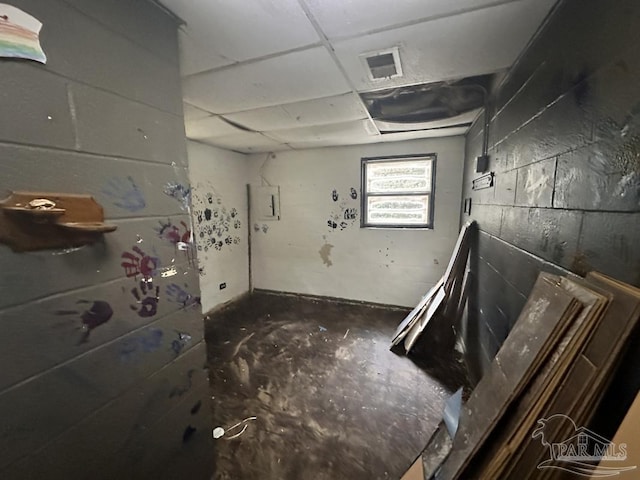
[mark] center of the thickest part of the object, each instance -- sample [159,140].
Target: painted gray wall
[564,144]
[103,115]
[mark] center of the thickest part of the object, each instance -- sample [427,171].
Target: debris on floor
[446,299]
[220,432]
[345,408]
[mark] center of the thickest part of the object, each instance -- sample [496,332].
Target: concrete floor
[330,400]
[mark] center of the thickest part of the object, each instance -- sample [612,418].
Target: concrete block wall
[564,146]
[310,251]
[220,209]
[125,396]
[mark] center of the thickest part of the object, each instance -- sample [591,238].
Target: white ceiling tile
[287,78]
[193,113]
[209,127]
[247,142]
[440,132]
[394,137]
[467,117]
[227,31]
[262,119]
[196,56]
[474,43]
[331,132]
[341,18]
[321,111]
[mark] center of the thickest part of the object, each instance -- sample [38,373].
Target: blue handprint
[147,342]
[125,194]
[179,192]
[178,344]
[175,293]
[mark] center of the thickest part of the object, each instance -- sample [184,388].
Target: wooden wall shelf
[32,221]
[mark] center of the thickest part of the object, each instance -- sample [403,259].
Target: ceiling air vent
[382,64]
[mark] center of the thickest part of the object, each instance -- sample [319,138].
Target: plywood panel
[543,320]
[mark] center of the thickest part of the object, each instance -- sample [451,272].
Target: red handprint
[175,234]
[142,264]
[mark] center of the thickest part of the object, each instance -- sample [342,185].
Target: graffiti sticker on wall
[20,35]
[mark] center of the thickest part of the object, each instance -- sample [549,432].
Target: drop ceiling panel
[246,142]
[482,41]
[209,127]
[289,78]
[321,111]
[192,113]
[227,31]
[464,118]
[357,16]
[365,139]
[440,132]
[346,130]
[196,57]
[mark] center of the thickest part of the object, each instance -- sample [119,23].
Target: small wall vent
[382,64]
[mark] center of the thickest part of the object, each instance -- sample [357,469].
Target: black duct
[427,102]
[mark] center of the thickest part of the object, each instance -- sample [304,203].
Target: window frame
[364,194]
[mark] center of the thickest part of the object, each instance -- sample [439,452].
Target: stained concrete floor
[330,400]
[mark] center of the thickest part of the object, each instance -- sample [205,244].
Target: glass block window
[398,191]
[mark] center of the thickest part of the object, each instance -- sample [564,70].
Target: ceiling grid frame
[286,111]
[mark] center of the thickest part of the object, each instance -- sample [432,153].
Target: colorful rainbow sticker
[19,35]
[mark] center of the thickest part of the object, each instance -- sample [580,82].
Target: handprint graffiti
[184,388]
[179,192]
[347,214]
[99,313]
[139,263]
[146,342]
[177,294]
[174,234]
[125,194]
[178,344]
[214,222]
[147,298]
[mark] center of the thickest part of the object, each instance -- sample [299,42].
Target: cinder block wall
[564,142]
[303,253]
[103,374]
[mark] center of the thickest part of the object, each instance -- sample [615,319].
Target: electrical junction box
[265,203]
[482,163]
